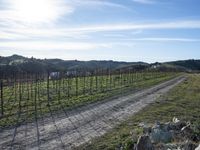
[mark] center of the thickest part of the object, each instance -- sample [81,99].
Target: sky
[121,30]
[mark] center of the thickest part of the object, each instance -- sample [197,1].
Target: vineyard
[25,97]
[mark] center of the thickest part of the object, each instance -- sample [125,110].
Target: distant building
[54,75]
[71,73]
[155,65]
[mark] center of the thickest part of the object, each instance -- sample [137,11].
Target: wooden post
[48,98]
[91,83]
[2,103]
[101,74]
[59,88]
[96,80]
[110,79]
[20,92]
[84,76]
[76,82]
[68,87]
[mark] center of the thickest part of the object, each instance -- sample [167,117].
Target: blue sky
[123,30]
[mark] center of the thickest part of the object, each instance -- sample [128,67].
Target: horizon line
[29,57]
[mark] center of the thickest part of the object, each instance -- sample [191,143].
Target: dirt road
[72,128]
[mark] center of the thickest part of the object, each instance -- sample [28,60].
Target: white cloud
[158,39]
[14,15]
[63,50]
[26,19]
[33,11]
[97,3]
[37,12]
[84,31]
[120,27]
[144,1]
[11,36]
[49,45]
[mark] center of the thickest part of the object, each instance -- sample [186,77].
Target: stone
[144,143]
[198,148]
[171,146]
[177,126]
[175,120]
[160,133]
[189,146]
[187,132]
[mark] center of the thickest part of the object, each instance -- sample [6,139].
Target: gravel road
[72,128]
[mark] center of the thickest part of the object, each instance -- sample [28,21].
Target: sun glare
[34,11]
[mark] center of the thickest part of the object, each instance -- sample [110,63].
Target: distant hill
[190,65]
[182,65]
[16,63]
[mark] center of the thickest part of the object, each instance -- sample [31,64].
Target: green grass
[182,102]
[26,101]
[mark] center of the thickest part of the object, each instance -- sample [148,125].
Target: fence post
[76,82]
[84,76]
[2,103]
[20,92]
[48,98]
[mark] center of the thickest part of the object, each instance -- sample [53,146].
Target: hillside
[192,65]
[17,63]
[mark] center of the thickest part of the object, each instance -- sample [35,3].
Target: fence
[28,96]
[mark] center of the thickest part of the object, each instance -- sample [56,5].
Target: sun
[35,11]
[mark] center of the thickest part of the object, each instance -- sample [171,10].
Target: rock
[187,132]
[198,148]
[171,146]
[166,126]
[189,146]
[146,127]
[177,126]
[160,134]
[147,130]
[175,120]
[176,135]
[144,143]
